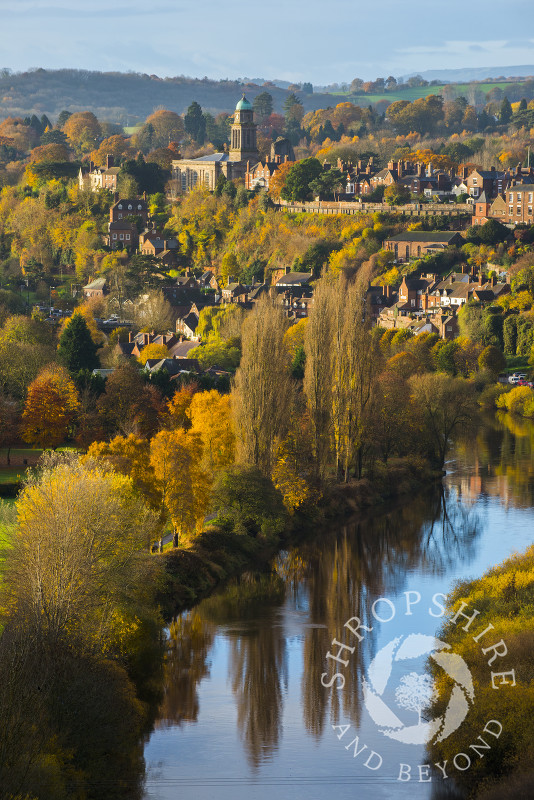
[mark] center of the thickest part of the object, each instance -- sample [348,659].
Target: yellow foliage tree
[175,457]
[50,409]
[211,419]
[130,455]
[294,337]
[152,351]
[178,406]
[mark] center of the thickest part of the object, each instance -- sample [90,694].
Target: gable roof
[425,236]
[294,279]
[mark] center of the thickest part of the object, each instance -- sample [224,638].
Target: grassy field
[415,92]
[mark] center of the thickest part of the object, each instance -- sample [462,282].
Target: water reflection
[329,579]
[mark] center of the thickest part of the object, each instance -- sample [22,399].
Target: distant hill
[474,73]
[128,97]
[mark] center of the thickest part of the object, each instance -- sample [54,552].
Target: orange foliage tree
[51,407]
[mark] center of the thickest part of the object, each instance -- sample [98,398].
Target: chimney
[493,168]
[146,337]
[287,270]
[91,166]
[464,173]
[480,278]
[493,280]
[116,197]
[400,169]
[131,338]
[110,161]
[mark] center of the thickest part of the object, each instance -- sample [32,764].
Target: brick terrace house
[413,244]
[519,204]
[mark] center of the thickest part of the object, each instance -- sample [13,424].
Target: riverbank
[216,555]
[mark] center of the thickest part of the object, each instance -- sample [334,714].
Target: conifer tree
[76,347]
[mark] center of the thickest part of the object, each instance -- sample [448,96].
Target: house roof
[173,365]
[257,290]
[424,236]
[181,349]
[522,187]
[294,279]
[98,283]
[213,157]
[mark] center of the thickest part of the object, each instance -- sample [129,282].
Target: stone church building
[232,163]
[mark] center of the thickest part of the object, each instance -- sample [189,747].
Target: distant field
[15,471]
[418,91]
[131,129]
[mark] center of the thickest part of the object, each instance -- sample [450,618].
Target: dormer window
[129,208]
[120,205]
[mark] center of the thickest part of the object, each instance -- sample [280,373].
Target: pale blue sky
[299,40]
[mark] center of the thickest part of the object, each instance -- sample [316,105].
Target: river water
[245,713]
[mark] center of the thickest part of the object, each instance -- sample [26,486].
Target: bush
[517,401]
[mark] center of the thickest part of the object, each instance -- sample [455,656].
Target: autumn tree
[82,129]
[211,420]
[76,348]
[175,458]
[167,127]
[130,456]
[263,389]
[50,409]
[178,406]
[128,404]
[153,350]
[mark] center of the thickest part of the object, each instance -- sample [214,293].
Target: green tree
[76,348]
[263,106]
[248,502]
[397,194]
[195,124]
[505,111]
[492,359]
[299,177]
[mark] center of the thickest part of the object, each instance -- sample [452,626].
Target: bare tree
[153,313]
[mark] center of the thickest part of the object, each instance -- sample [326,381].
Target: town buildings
[232,163]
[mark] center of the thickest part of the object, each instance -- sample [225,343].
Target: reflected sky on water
[245,714]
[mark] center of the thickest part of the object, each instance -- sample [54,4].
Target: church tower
[243,146]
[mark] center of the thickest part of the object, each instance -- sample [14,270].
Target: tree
[415,692]
[444,404]
[263,106]
[130,456]
[81,532]
[167,127]
[76,347]
[50,408]
[328,183]
[397,194]
[505,111]
[211,420]
[152,351]
[82,130]
[195,124]
[492,359]
[184,486]
[9,419]
[247,500]
[263,389]
[299,177]
[153,313]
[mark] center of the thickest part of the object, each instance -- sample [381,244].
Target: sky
[302,40]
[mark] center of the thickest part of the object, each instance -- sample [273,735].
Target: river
[245,713]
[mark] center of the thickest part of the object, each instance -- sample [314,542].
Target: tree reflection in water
[329,579]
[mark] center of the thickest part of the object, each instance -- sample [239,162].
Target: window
[120,205]
[121,236]
[139,207]
[475,181]
[129,208]
[127,235]
[184,181]
[511,197]
[413,302]
[120,216]
[114,235]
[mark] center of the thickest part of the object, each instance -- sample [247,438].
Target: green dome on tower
[243,105]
